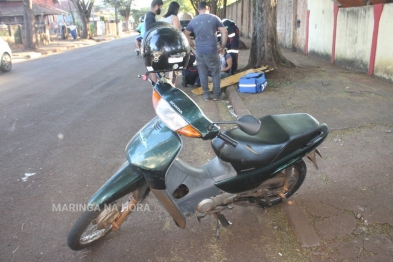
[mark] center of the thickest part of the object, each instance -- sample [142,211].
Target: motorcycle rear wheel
[298,173]
[84,233]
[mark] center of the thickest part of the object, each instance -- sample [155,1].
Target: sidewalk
[343,211]
[60,45]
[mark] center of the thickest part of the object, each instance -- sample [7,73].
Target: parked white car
[5,56]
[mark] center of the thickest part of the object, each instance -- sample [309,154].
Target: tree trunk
[264,48]
[86,34]
[213,7]
[84,10]
[29,24]
[224,9]
[125,12]
[127,20]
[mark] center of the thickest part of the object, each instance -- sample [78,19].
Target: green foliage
[93,29]
[185,6]
[78,24]
[123,6]
[4,32]
[214,4]
[219,3]
[136,13]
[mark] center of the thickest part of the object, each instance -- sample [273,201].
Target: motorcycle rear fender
[127,179]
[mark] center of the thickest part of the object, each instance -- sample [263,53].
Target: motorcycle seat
[279,136]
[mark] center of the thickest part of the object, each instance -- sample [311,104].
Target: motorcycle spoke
[274,190]
[92,233]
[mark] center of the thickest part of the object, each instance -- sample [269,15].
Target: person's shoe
[137,52]
[206,98]
[216,99]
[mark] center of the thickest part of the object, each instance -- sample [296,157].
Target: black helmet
[142,19]
[165,48]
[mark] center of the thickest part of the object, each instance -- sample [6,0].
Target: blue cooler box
[252,83]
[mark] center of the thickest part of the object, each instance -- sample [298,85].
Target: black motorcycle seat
[279,136]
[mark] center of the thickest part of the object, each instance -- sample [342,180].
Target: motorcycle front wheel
[94,224]
[273,187]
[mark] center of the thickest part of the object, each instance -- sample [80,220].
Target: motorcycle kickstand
[200,218]
[221,220]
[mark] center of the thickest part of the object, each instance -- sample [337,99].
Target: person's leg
[214,65]
[173,77]
[154,77]
[224,74]
[235,58]
[197,82]
[202,71]
[138,44]
[170,75]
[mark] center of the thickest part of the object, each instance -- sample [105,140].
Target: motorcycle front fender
[127,179]
[154,147]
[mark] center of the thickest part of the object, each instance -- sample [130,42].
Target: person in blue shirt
[205,27]
[141,30]
[151,18]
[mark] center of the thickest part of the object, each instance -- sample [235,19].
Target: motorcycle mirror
[249,124]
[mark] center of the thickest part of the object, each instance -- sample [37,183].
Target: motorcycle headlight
[172,119]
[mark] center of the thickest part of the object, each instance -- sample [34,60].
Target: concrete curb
[236,101]
[301,226]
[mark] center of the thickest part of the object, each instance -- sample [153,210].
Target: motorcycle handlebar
[227,139]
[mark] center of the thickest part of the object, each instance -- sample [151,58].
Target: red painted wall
[45,2]
[356,3]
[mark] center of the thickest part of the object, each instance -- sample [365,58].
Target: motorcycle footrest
[224,222]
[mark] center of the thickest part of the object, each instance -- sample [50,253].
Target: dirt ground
[348,200]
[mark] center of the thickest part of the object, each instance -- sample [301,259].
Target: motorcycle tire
[84,233]
[298,174]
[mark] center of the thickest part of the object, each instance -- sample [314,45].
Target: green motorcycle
[258,163]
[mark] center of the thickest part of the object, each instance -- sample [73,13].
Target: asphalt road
[65,121]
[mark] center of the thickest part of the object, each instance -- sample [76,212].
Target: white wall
[321,27]
[384,56]
[100,27]
[354,37]
[354,32]
[285,23]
